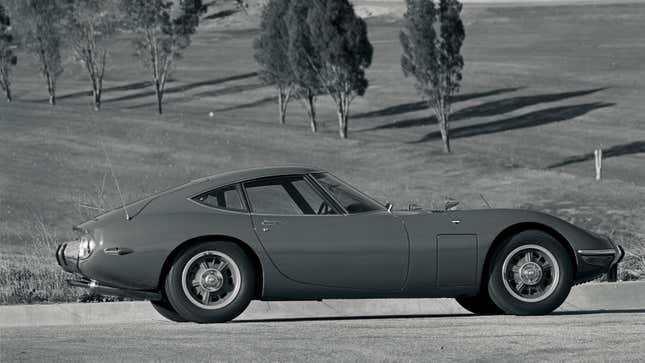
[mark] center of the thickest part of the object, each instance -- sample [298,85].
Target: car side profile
[202,251]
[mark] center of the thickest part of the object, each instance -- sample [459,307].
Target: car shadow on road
[600,311]
[427,316]
[357,317]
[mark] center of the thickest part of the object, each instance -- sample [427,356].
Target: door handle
[456,221]
[270,223]
[267,224]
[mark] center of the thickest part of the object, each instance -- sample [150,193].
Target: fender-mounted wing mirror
[451,204]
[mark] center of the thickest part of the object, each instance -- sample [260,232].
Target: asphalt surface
[584,336]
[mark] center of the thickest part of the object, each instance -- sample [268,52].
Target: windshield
[349,198]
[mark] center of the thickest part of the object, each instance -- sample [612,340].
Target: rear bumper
[67,258]
[96,287]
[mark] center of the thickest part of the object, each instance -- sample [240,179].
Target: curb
[621,296]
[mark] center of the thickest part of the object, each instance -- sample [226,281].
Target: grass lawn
[543,87]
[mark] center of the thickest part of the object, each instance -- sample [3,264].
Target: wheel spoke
[515,269]
[519,287]
[196,282]
[203,265]
[527,256]
[222,265]
[206,297]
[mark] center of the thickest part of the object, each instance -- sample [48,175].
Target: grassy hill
[543,87]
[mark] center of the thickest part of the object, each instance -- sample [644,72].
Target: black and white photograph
[322,180]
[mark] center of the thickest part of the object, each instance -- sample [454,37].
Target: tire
[212,282]
[531,274]
[167,311]
[479,304]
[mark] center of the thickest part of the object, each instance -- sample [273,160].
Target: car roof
[236,176]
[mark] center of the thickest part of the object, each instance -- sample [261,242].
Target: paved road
[584,337]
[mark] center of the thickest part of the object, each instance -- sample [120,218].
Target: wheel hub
[212,280]
[530,273]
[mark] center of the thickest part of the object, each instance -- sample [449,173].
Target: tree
[271,51]
[304,58]
[40,29]
[163,30]
[7,58]
[431,38]
[340,39]
[89,23]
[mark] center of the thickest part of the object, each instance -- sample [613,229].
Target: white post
[598,158]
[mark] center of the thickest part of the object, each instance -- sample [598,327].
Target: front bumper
[600,261]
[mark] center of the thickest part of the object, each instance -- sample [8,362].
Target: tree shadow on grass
[125,87]
[531,119]
[259,102]
[214,93]
[221,14]
[185,87]
[422,105]
[498,107]
[636,147]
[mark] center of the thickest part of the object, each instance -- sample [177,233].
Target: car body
[307,239]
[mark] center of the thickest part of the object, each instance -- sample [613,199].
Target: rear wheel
[167,311]
[532,274]
[212,282]
[480,304]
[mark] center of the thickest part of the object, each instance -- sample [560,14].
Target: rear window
[223,198]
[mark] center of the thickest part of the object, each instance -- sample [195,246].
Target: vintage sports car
[202,251]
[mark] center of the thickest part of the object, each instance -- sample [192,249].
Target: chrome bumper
[605,258]
[96,287]
[67,256]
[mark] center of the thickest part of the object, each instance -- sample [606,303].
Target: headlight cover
[86,246]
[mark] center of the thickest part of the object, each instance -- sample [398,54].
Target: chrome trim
[597,252]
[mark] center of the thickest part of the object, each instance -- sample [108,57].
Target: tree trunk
[443,128]
[311,111]
[342,123]
[8,93]
[97,91]
[51,88]
[97,99]
[283,109]
[159,93]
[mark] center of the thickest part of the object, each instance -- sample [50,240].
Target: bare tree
[163,30]
[303,58]
[339,37]
[434,58]
[271,52]
[89,23]
[7,58]
[40,29]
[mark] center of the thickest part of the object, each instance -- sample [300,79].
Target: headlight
[86,246]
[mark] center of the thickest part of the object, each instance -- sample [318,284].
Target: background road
[582,336]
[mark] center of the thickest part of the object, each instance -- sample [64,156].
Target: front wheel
[480,304]
[167,311]
[532,274]
[212,282]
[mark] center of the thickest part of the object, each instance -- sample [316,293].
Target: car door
[311,239]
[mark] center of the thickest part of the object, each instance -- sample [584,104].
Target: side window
[291,195]
[351,199]
[224,198]
[317,204]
